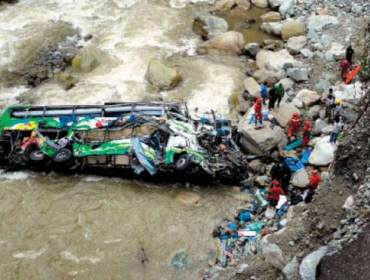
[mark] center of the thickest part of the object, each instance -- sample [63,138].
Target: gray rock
[306,53]
[307,269]
[295,44]
[301,179]
[318,22]
[276,3]
[319,126]
[287,8]
[298,74]
[252,49]
[209,26]
[272,28]
[291,268]
[273,254]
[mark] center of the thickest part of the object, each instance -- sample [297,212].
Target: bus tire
[182,163]
[63,156]
[37,155]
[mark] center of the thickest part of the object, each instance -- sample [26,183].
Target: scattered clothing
[245,216]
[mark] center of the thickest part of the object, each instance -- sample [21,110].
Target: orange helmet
[295,115]
[259,100]
[307,123]
[276,183]
[315,171]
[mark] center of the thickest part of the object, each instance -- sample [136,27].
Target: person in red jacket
[275,192]
[258,111]
[306,133]
[315,179]
[345,67]
[294,125]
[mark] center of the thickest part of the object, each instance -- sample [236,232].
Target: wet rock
[323,153]
[85,62]
[271,17]
[253,88]
[162,76]
[189,198]
[301,179]
[273,60]
[273,254]
[298,74]
[284,113]
[208,26]
[272,28]
[307,269]
[336,52]
[66,80]
[305,98]
[291,269]
[231,42]
[252,49]
[295,44]
[244,4]
[260,3]
[318,22]
[292,29]
[225,5]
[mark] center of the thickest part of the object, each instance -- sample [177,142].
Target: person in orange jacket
[315,179]
[345,67]
[294,125]
[306,133]
[258,111]
[275,192]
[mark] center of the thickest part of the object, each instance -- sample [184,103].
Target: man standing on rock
[258,112]
[345,67]
[280,93]
[264,92]
[273,96]
[338,127]
[294,125]
[330,104]
[306,133]
[349,55]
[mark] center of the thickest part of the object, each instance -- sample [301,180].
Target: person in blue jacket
[264,92]
[245,216]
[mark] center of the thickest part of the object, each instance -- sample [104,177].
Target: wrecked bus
[143,137]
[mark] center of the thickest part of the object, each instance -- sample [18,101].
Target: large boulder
[295,44]
[287,8]
[301,179]
[349,92]
[314,112]
[84,62]
[307,269]
[298,74]
[225,5]
[252,49]
[317,22]
[272,28]
[244,4]
[274,60]
[323,153]
[291,29]
[273,254]
[305,98]
[291,268]
[335,52]
[208,26]
[260,141]
[271,17]
[319,126]
[264,75]
[252,87]
[287,83]
[260,3]
[230,42]
[161,76]
[284,113]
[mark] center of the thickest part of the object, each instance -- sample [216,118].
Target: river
[55,227]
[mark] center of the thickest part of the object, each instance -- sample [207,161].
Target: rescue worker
[282,173]
[294,125]
[315,180]
[330,103]
[258,111]
[264,92]
[275,192]
[280,93]
[338,127]
[338,109]
[349,55]
[345,68]
[306,133]
[273,96]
